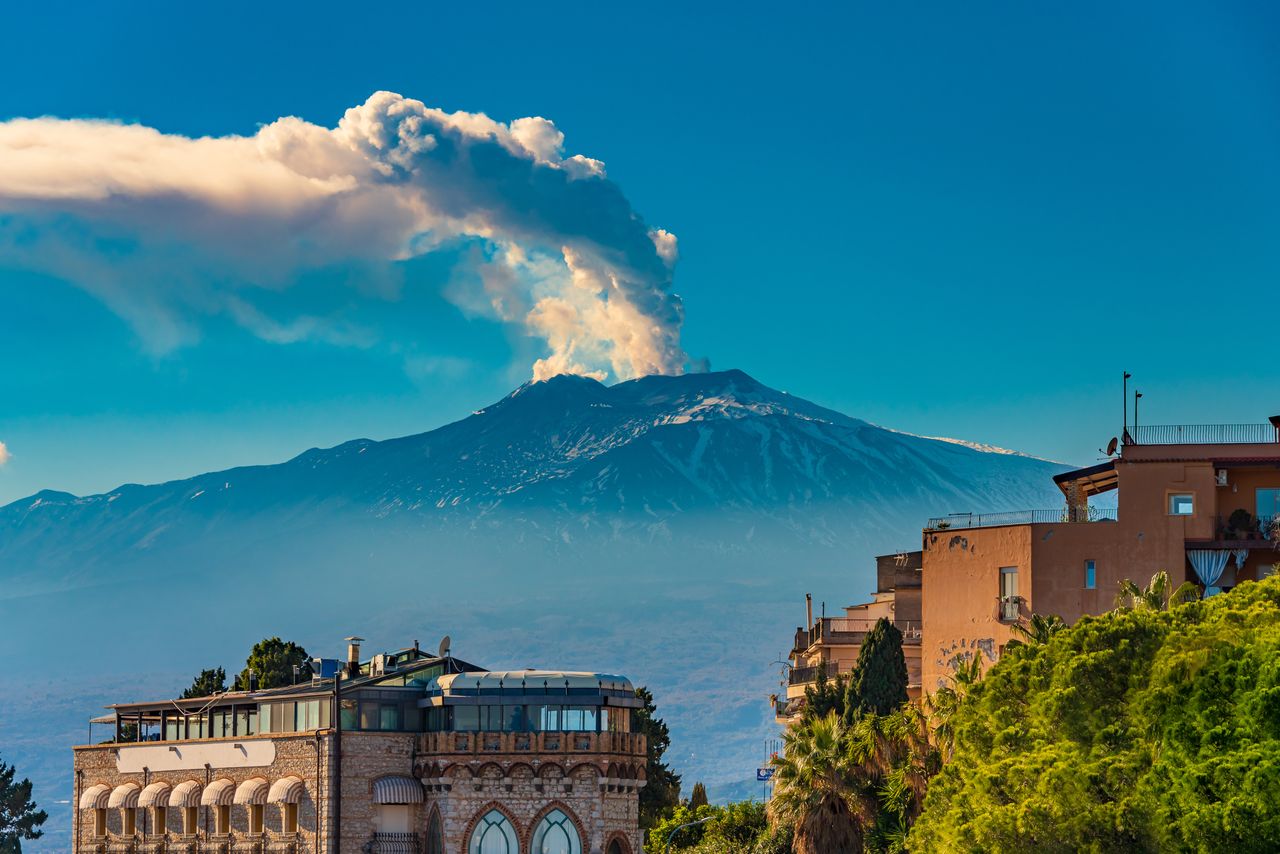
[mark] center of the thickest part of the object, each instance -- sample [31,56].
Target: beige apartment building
[831,645]
[404,752]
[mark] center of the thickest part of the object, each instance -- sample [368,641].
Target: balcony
[1060,516]
[849,631]
[1203,434]
[805,675]
[627,743]
[394,843]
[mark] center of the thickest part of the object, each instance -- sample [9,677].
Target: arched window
[435,835]
[556,834]
[494,835]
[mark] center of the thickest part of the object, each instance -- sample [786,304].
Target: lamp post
[672,834]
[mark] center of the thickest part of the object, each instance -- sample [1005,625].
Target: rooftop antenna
[1124,431]
[1137,396]
[445,646]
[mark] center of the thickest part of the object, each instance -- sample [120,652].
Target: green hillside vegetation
[1145,729]
[1155,727]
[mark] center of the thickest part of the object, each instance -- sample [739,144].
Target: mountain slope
[666,528]
[554,461]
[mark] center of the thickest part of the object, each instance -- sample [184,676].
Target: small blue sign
[764,775]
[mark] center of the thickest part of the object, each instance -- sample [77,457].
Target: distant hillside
[666,528]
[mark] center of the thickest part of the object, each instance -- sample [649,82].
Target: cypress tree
[879,681]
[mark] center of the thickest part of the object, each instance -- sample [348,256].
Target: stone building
[425,755]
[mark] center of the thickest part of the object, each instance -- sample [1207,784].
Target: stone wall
[303,755]
[594,778]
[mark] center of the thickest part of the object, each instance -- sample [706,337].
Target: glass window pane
[347,716]
[466,718]
[389,717]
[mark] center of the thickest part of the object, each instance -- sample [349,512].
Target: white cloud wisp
[168,230]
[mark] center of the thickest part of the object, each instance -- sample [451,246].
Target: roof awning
[286,790]
[397,790]
[1089,481]
[219,793]
[186,794]
[125,795]
[251,791]
[155,795]
[95,797]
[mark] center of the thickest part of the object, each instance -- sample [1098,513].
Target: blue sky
[954,220]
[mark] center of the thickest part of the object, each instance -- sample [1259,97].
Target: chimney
[808,612]
[353,655]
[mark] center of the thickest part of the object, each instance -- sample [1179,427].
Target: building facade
[830,646]
[424,755]
[1200,502]
[1197,502]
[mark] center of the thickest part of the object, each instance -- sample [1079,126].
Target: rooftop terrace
[1203,434]
[1057,516]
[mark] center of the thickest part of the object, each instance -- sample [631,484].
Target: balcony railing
[1202,434]
[394,843]
[961,521]
[629,743]
[850,630]
[805,675]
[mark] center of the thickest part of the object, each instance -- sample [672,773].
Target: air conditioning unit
[1222,477]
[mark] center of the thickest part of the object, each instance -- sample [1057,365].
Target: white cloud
[4,454]
[168,230]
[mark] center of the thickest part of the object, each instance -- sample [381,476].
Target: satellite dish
[1111,446]
[445,646]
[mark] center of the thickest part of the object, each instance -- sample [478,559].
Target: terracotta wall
[961,593]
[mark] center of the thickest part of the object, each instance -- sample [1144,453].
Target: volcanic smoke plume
[169,231]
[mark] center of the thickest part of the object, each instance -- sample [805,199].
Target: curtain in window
[1240,555]
[1209,564]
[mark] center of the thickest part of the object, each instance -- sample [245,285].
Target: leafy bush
[1138,730]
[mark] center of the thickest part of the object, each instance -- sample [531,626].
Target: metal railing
[1202,434]
[394,843]
[805,675]
[962,521]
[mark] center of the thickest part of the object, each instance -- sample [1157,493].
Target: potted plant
[1240,525]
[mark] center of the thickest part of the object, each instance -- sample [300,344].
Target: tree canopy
[661,792]
[879,681]
[1144,729]
[272,661]
[209,682]
[19,818]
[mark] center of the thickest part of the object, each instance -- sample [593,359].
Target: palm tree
[817,791]
[1038,630]
[946,701]
[1156,596]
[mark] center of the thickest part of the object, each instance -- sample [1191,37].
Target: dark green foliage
[19,818]
[879,681]
[208,683]
[824,696]
[661,792]
[699,796]
[1144,729]
[272,661]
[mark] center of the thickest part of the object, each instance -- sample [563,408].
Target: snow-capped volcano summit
[711,457]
